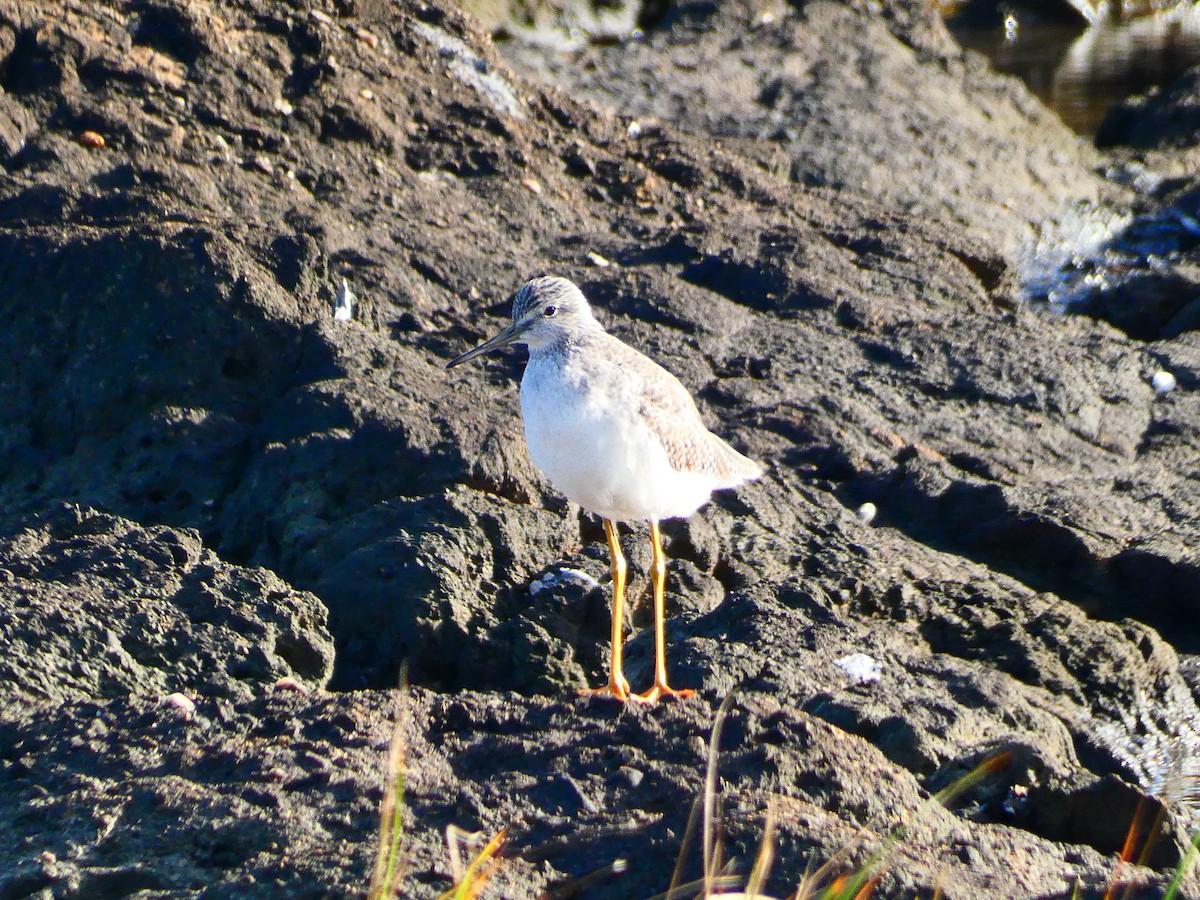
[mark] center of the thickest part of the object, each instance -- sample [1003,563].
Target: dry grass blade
[1133,838]
[766,854]
[576,886]
[712,852]
[988,767]
[391,810]
[861,883]
[707,802]
[480,869]
[938,888]
[809,889]
[688,833]
[689,889]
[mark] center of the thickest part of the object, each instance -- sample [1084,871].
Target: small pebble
[48,858]
[367,94]
[1163,382]
[867,512]
[179,701]
[367,38]
[634,130]
[283,106]
[276,774]
[862,668]
[598,260]
[632,775]
[91,139]
[532,185]
[317,16]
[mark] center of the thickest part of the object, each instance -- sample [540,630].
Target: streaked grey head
[546,311]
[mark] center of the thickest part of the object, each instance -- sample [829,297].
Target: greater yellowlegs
[617,434]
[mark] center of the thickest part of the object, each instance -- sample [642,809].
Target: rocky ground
[229,519]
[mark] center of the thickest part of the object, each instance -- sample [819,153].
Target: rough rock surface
[100,607]
[822,93]
[176,375]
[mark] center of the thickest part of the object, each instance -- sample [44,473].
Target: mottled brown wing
[672,415]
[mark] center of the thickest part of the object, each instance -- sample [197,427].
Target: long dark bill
[509,335]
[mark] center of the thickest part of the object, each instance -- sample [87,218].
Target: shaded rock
[1163,118]
[95,606]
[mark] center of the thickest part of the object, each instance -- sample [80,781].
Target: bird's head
[544,311]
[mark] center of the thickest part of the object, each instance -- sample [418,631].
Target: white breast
[590,441]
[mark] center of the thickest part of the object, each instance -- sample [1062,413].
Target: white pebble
[1163,382]
[860,667]
[867,513]
[598,260]
[634,130]
[179,701]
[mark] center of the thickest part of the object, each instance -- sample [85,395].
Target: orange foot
[661,690]
[615,688]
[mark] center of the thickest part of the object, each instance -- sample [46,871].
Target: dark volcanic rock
[1164,118]
[96,606]
[173,361]
[593,783]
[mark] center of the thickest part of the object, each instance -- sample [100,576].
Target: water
[1081,71]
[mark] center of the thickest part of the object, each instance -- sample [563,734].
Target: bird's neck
[566,345]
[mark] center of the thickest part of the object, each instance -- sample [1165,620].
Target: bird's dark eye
[549,311]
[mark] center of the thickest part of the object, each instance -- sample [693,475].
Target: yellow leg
[658,577]
[617,685]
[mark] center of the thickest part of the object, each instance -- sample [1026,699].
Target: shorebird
[618,435]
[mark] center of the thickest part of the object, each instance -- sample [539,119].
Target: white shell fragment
[343,307]
[561,576]
[862,668]
[867,513]
[597,260]
[1163,382]
[288,683]
[634,130]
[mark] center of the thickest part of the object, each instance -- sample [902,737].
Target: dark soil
[211,490]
